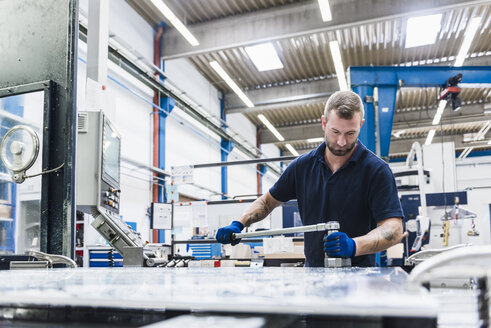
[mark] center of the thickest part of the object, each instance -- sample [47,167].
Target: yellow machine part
[446,229]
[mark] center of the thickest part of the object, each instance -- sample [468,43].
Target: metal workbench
[139,296]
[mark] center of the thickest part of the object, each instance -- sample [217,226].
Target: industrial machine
[98,187]
[435,213]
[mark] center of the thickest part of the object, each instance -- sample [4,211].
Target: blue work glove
[338,244]
[224,235]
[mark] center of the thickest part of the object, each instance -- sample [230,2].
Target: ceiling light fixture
[292,150]
[162,7]
[439,112]
[264,57]
[430,136]
[216,66]
[466,44]
[271,127]
[422,30]
[315,140]
[338,65]
[325,10]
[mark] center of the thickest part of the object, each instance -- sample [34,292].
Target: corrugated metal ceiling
[383,43]
[199,11]
[308,57]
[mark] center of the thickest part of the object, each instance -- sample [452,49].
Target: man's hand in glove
[338,244]
[224,235]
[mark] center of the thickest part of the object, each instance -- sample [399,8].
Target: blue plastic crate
[99,254]
[205,251]
[99,264]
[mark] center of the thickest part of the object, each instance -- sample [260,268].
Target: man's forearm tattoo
[258,214]
[387,233]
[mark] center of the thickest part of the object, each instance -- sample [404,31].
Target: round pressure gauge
[19,150]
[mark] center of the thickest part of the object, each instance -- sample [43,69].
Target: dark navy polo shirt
[360,194]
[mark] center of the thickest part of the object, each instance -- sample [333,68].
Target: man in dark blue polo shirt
[339,181]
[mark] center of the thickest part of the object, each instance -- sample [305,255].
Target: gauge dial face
[19,148]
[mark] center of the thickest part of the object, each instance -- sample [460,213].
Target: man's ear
[323,119]
[362,121]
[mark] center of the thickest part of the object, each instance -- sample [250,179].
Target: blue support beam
[167,104]
[363,79]
[281,163]
[367,132]
[386,108]
[416,76]
[226,148]
[262,169]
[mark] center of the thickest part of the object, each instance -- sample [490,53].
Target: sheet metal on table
[348,291]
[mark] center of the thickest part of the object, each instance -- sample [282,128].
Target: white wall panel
[127,25]
[474,172]
[240,124]
[183,75]
[184,147]
[270,150]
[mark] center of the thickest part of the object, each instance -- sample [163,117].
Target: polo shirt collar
[360,148]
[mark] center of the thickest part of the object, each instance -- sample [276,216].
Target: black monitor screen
[111,153]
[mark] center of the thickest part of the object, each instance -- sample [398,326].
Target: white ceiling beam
[282,96]
[292,21]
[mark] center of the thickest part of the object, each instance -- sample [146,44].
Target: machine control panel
[110,197]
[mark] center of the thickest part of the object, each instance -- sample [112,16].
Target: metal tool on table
[330,227]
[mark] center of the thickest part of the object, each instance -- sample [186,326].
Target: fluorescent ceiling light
[430,136]
[292,150]
[338,65]
[216,66]
[264,57]
[422,30]
[315,140]
[325,10]
[271,127]
[439,112]
[466,44]
[175,22]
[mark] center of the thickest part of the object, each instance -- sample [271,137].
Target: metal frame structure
[39,52]
[388,79]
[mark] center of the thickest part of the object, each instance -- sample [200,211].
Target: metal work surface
[350,291]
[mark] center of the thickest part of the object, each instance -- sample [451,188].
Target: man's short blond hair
[346,104]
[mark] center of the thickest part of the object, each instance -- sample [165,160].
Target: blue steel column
[281,163]
[226,148]
[367,133]
[386,108]
[263,169]
[167,104]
